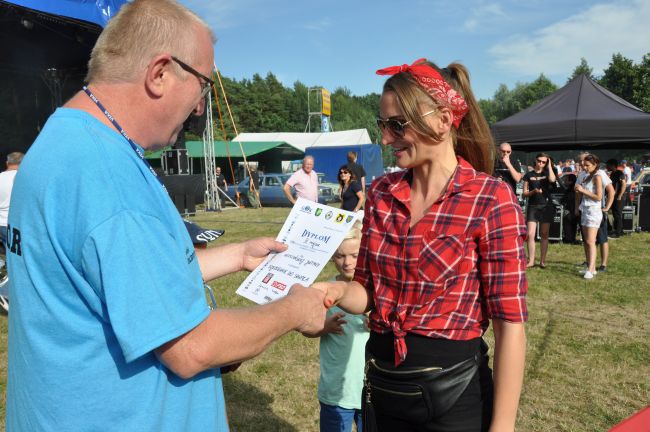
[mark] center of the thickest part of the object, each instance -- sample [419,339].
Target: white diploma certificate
[313,232]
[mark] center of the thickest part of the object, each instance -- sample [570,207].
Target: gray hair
[15,158]
[140,31]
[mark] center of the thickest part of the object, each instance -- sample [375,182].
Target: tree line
[264,104]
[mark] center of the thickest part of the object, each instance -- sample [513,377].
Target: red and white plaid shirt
[461,264]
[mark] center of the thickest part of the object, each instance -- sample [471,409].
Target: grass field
[588,362]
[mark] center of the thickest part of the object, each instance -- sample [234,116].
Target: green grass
[588,358]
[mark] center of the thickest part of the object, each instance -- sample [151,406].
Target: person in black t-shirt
[357,170]
[352,197]
[507,170]
[221,184]
[618,182]
[537,188]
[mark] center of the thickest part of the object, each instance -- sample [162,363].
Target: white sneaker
[589,275]
[585,271]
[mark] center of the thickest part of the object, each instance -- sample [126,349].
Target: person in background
[578,165]
[304,180]
[350,193]
[627,171]
[507,170]
[253,193]
[357,170]
[589,190]
[537,188]
[607,200]
[618,182]
[342,346]
[221,183]
[109,327]
[441,255]
[221,179]
[6,185]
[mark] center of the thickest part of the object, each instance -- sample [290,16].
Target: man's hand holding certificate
[313,232]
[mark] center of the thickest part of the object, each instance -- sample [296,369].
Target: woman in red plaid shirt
[441,255]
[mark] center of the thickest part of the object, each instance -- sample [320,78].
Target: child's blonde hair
[355,232]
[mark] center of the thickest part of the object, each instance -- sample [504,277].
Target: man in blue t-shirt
[109,327]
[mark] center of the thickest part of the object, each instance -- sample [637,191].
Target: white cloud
[320,25]
[595,34]
[483,16]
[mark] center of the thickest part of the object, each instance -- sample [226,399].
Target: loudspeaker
[628,219]
[176,162]
[555,231]
[179,202]
[185,204]
[190,205]
[644,210]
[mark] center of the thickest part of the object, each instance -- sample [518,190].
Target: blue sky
[338,43]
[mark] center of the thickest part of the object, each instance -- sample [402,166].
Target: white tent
[303,140]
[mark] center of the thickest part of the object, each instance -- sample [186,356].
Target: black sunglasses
[541,161]
[206,83]
[396,127]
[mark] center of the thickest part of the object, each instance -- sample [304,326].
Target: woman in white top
[591,192]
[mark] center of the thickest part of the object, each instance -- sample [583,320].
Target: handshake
[310,304]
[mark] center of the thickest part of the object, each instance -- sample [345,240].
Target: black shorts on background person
[540,213]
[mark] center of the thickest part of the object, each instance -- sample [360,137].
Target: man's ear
[157,75]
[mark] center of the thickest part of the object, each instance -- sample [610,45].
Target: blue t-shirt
[103,273]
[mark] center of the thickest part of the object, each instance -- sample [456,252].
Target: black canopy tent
[43,61]
[580,115]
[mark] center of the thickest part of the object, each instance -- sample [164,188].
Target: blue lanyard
[117,126]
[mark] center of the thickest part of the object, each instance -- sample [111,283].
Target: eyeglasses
[506,151]
[396,127]
[541,161]
[344,172]
[206,83]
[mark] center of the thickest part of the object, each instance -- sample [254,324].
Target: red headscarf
[434,84]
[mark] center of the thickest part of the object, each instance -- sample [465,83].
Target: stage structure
[212,202]
[323,104]
[213,191]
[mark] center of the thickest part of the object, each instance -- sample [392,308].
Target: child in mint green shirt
[342,351]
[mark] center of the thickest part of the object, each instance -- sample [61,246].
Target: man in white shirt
[6,184]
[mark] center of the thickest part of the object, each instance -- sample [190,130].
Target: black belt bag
[416,394]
